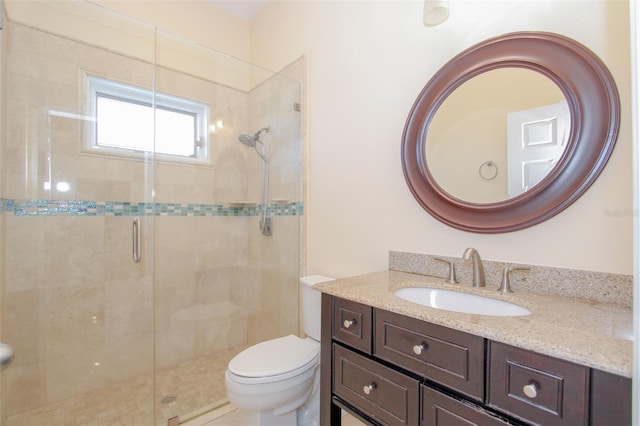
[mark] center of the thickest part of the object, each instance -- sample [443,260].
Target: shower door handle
[6,354]
[137,253]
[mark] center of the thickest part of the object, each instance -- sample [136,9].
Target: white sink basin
[460,302]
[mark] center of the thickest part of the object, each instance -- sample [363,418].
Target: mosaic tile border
[123,208]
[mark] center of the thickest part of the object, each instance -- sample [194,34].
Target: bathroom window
[125,118]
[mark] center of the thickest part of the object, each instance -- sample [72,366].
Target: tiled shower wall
[277,103]
[78,312]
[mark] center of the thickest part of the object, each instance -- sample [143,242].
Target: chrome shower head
[247,140]
[253,141]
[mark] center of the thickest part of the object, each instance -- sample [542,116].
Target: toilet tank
[310,304]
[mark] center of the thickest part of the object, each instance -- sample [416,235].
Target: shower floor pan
[185,388]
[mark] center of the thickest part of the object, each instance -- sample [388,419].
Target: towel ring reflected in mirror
[488,170]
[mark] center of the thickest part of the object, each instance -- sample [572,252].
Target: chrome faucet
[478,269]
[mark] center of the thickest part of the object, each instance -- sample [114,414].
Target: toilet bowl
[276,382]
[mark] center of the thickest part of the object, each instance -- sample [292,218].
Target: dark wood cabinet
[352,324]
[537,388]
[384,394]
[449,357]
[610,399]
[389,369]
[439,409]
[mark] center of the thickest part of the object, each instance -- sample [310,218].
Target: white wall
[367,61]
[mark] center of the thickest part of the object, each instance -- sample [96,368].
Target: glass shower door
[221,284]
[77,306]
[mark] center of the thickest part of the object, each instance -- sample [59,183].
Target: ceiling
[244,9]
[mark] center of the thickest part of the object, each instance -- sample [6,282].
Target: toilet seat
[274,360]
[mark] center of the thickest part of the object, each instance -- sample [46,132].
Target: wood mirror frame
[594,105]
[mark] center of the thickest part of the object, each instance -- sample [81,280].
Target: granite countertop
[593,334]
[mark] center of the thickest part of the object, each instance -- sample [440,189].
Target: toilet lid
[274,357]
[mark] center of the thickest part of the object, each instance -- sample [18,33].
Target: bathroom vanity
[392,362]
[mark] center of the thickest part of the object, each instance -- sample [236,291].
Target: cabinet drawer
[439,409]
[385,395]
[537,388]
[445,356]
[352,324]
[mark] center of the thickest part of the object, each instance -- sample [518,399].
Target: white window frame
[100,87]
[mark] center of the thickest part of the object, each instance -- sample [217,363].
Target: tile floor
[198,386]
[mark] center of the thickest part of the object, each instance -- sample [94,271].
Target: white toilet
[276,382]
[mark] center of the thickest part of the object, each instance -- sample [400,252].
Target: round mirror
[510,132]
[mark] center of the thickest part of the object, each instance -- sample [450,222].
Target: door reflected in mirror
[497,135]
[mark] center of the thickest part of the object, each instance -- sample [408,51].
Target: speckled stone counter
[593,334]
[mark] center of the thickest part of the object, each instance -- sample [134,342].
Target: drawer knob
[417,349]
[348,323]
[369,388]
[530,390]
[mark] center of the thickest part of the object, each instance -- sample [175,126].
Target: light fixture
[435,12]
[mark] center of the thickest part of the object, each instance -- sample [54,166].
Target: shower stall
[132,268]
